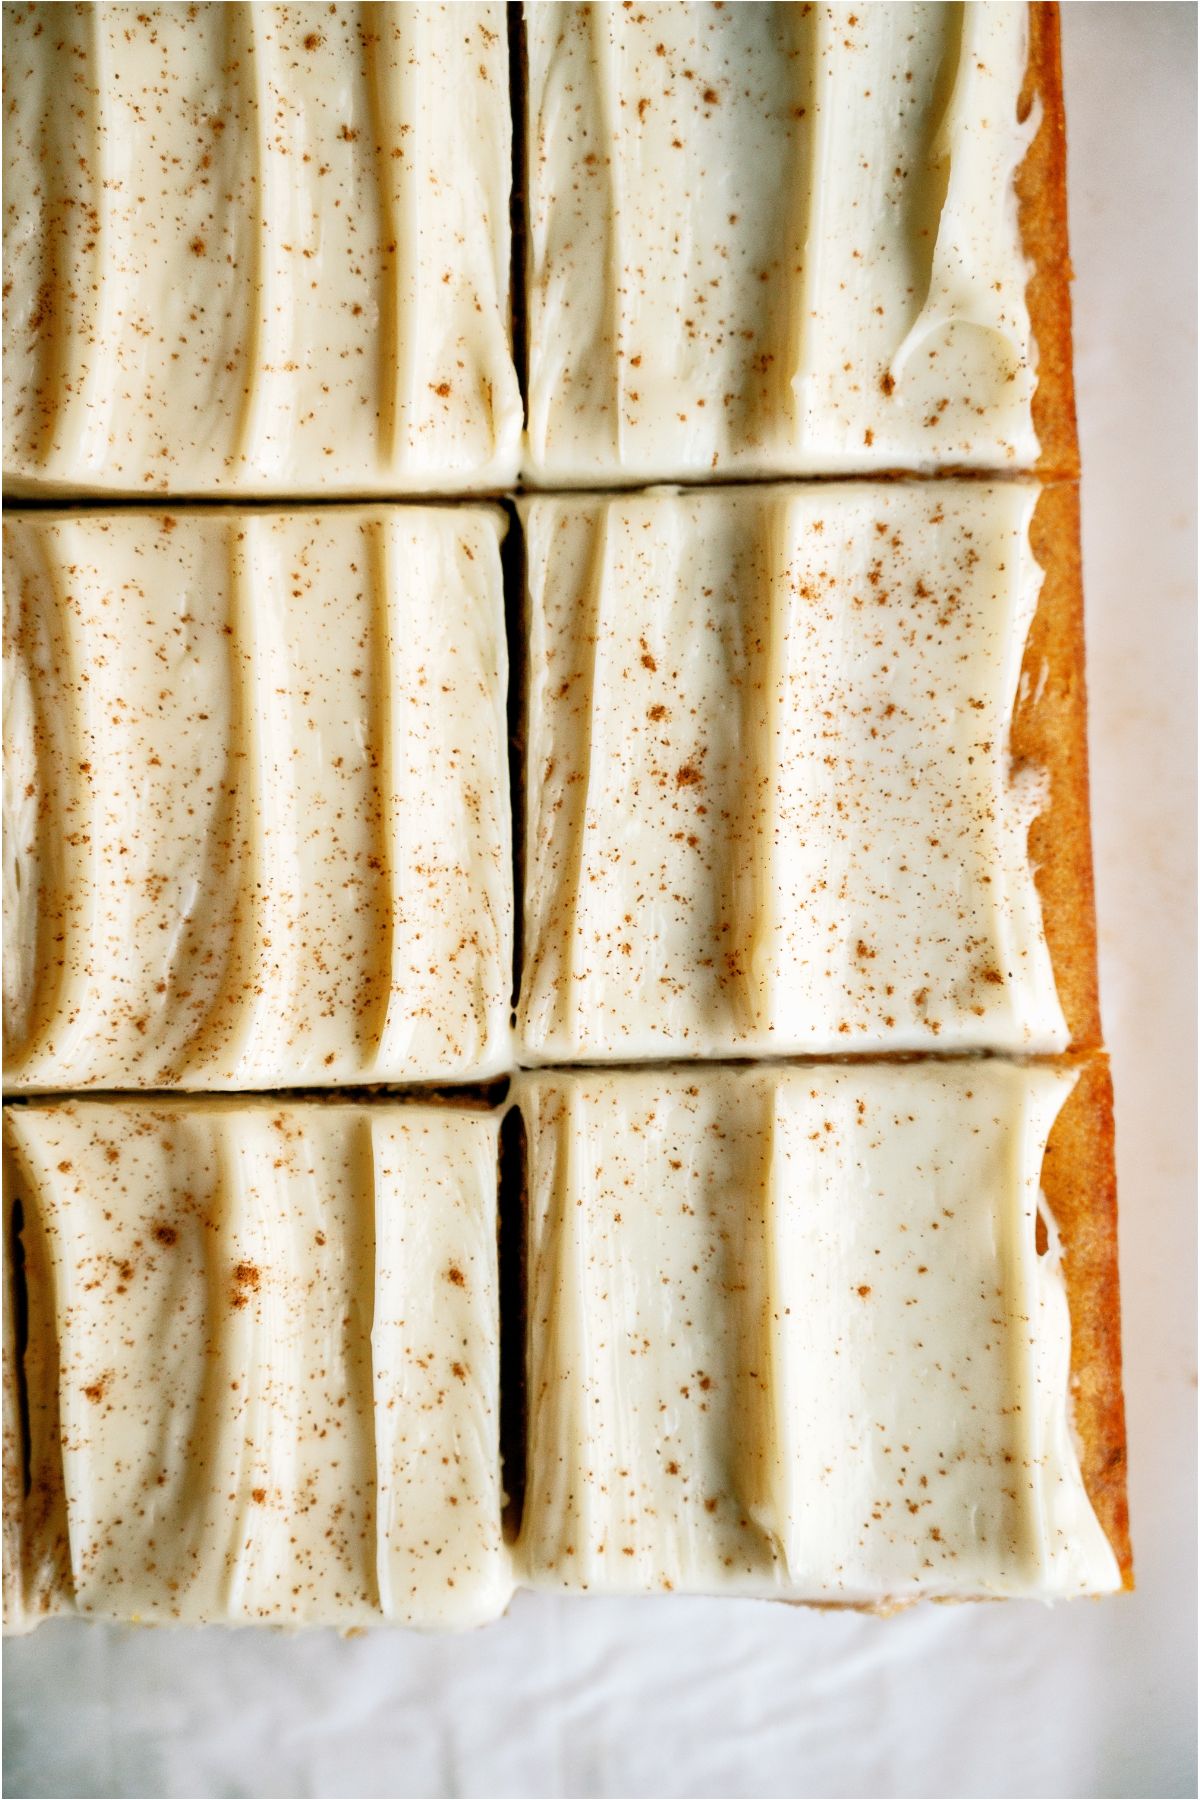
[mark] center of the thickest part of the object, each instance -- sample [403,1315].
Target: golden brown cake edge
[1041,184]
[1079,1180]
[1049,734]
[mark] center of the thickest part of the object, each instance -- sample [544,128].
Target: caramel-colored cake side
[1079,1180]
[1049,734]
[1041,184]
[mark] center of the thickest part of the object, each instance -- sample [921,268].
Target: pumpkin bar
[791,240]
[261,1373]
[258,249]
[806,774]
[844,1335]
[256,798]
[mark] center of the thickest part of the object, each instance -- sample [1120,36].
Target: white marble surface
[680,1697]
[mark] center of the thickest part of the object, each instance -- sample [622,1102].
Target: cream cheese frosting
[776,239]
[790,1335]
[264,1359]
[769,806]
[256,799]
[258,249]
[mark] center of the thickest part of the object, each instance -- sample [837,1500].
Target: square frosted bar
[256,799]
[806,774]
[262,1364]
[790,1334]
[258,249]
[791,240]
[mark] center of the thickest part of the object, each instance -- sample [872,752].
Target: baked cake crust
[1079,1181]
[1041,183]
[1049,733]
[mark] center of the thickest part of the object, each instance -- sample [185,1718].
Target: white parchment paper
[688,1697]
